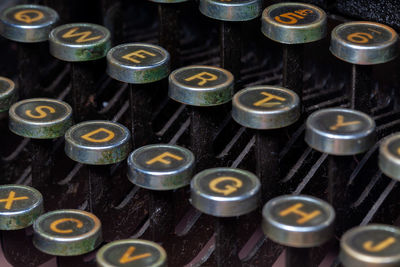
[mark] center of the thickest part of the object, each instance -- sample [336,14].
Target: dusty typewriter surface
[195,227]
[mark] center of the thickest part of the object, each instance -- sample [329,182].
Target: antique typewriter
[199,133]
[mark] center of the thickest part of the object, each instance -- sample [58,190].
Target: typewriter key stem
[230,35]
[41,166]
[361,88]
[293,68]
[140,97]
[204,122]
[226,246]
[297,257]
[83,80]
[29,59]
[267,158]
[169,34]
[161,212]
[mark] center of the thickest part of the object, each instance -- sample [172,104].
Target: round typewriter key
[389,156]
[161,167]
[138,63]
[27,23]
[85,46]
[293,24]
[40,118]
[340,131]
[7,93]
[374,245]
[67,232]
[225,192]
[205,89]
[234,10]
[97,142]
[231,14]
[201,85]
[363,43]
[131,252]
[266,108]
[20,205]
[79,42]
[299,222]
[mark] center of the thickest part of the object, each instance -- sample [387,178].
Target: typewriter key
[363,43]
[98,144]
[389,156]
[298,222]
[231,13]
[374,245]
[7,93]
[293,24]
[82,44]
[131,252]
[225,193]
[266,109]
[205,89]
[67,232]
[20,205]
[138,64]
[161,167]
[158,168]
[341,133]
[28,25]
[40,119]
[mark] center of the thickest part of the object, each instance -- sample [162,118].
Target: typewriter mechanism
[199,133]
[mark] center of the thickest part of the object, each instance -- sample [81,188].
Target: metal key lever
[205,89]
[84,45]
[363,44]
[340,133]
[266,109]
[29,26]
[225,193]
[293,25]
[139,64]
[98,143]
[160,168]
[19,207]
